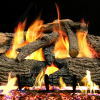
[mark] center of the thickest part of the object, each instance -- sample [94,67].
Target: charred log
[48,54]
[33,46]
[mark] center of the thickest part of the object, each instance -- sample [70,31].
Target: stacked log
[26,69]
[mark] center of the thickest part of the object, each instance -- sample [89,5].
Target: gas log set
[63,49]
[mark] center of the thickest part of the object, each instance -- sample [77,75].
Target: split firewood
[48,54]
[78,67]
[33,46]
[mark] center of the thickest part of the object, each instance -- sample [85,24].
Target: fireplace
[60,49]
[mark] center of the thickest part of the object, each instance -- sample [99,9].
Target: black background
[12,10]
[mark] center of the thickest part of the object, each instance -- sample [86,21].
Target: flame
[51,69]
[34,31]
[58,11]
[18,38]
[88,82]
[31,35]
[62,83]
[83,21]
[84,48]
[39,79]
[10,84]
[61,49]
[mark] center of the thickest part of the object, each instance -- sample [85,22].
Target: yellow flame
[10,84]
[34,31]
[39,79]
[61,48]
[31,35]
[51,69]
[18,39]
[61,82]
[88,82]
[84,49]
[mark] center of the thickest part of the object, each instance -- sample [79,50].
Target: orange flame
[18,39]
[58,11]
[84,48]
[32,34]
[61,47]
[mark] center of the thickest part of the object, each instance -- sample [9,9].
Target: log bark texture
[23,68]
[48,54]
[78,67]
[5,41]
[68,67]
[33,46]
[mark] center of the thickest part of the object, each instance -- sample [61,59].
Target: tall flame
[18,39]
[61,82]
[31,35]
[61,49]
